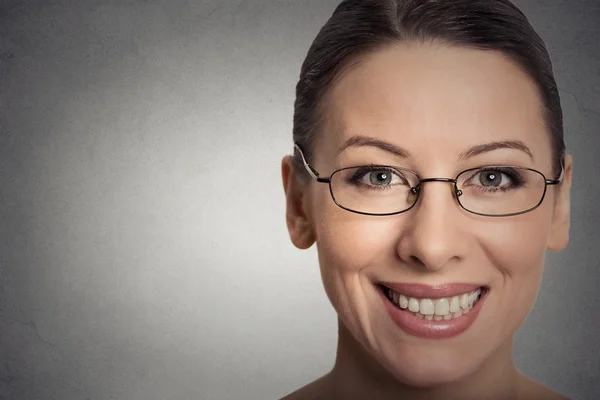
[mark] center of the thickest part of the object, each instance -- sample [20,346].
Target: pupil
[490,179]
[381,177]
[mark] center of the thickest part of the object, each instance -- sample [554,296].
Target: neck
[357,375]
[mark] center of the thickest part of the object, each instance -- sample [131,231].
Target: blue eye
[493,179]
[490,178]
[380,177]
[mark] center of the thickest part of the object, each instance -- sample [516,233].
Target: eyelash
[355,179]
[516,180]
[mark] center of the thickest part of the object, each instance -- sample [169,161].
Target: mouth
[436,309]
[434,317]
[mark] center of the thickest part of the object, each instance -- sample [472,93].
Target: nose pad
[413,195]
[454,190]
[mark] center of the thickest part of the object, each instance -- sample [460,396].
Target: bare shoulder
[534,390]
[316,390]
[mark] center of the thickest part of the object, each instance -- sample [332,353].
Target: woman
[431,172]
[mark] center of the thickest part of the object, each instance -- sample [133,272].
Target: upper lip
[421,290]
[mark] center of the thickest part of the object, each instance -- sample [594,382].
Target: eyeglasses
[493,190]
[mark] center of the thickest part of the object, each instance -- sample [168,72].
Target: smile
[444,308]
[433,312]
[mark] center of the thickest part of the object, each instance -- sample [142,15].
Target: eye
[379,176]
[495,178]
[491,178]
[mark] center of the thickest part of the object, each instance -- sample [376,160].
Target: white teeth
[464,301]
[413,304]
[442,307]
[454,304]
[403,301]
[426,307]
[438,309]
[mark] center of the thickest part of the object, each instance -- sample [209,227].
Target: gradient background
[143,246]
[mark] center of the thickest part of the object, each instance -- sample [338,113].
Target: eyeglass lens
[496,190]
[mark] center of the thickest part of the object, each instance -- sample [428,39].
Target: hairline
[356,60]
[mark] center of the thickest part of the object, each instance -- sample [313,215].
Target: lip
[426,329]
[420,290]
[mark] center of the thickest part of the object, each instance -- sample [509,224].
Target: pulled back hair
[360,27]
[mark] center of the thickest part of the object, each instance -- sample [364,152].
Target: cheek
[516,245]
[346,241]
[515,251]
[348,244]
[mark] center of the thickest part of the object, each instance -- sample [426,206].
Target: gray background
[143,247]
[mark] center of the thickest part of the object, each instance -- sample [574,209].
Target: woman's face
[435,103]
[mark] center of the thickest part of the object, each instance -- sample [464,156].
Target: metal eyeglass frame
[417,189]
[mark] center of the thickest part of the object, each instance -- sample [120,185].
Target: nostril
[417,261]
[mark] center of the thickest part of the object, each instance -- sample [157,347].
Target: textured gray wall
[143,247]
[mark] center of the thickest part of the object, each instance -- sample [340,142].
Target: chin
[430,369]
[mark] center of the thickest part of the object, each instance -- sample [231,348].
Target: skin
[435,102]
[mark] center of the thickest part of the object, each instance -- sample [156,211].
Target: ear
[561,219]
[297,214]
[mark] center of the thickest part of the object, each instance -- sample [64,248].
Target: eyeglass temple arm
[310,169]
[559,179]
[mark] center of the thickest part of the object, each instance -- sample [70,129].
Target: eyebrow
[361,140]
[503,144]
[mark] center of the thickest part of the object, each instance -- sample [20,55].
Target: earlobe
[296,215]
[558,238]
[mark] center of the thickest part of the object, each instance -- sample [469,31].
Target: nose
[431,237]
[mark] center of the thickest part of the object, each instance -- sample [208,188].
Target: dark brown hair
[359,27]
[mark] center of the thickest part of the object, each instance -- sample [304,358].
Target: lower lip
[432,329]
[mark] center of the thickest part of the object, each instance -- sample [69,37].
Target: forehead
[436,100]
